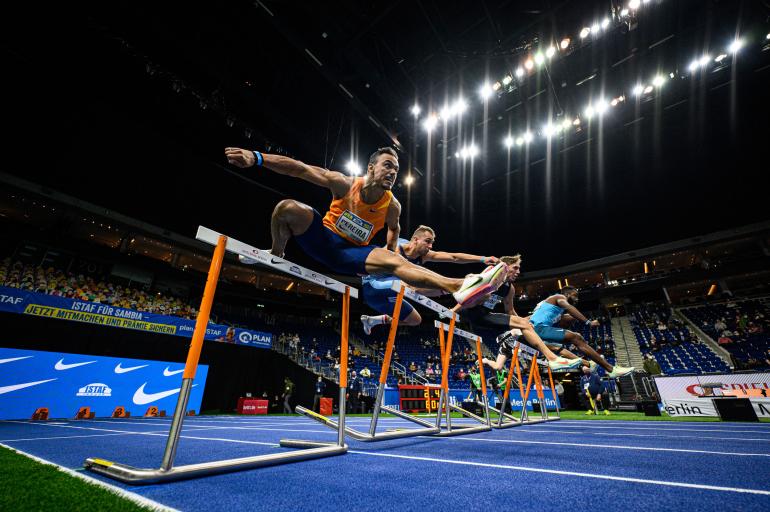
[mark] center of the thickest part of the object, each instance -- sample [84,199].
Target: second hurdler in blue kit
[377,292]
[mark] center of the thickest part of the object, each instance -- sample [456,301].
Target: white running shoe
[592,365]
[365,321]
[563,363]
[476,287]
[619,371]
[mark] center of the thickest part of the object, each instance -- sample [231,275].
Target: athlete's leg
[290,218]
[531,337]
[580,344]
[382,260]
[412,319]
[497,364]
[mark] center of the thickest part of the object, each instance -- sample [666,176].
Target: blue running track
[565,465]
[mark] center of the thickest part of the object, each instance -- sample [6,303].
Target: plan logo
[253,337]
[95,389]
[295,270]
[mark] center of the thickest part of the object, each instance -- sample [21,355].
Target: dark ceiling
[129,105]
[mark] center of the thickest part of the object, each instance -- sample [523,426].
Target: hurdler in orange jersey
[341,240]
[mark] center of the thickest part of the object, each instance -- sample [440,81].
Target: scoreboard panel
[416,399]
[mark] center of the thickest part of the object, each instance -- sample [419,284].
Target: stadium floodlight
[416,110]
[529,63]
[589,112]
[595,28]
[601,106]
[508,141]
[614,102]
[584,32]
[624,13]
[527,137]
[576,122]
[353,168]
[409,180]
[539,58]
[550,52]
[634,4]
[565,43]
[469,152]
[507,79]
[457,154]
[566,124]
[605,23]
[648,89]
[638,90]
[694,65]
[519,141]
[496,86]
[459,107]
[486,91]
[735,46]
[767,36]
[550,129]
[704,60]
[445,113]
[659,80]
[430,123]
[519,72]
[720,57]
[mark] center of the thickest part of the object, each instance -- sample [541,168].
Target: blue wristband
[259,158]
[483,259]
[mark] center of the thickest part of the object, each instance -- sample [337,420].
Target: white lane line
[553,426]
[718,424]
[611,446]
[55,437]
[570,473]
[128,495]
[584,433]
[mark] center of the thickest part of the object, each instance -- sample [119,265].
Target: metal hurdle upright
[169,472]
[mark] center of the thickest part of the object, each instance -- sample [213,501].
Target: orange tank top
[353,219]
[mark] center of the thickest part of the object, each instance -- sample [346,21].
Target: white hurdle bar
[485,421]
[167,471]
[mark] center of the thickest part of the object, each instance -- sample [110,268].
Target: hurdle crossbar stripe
[210,236]
[458,332]
[422,300]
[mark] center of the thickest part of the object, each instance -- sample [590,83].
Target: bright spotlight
[720,57]
[507,79]
[409,180]
[576,122]
[735,46]
[519,72]
[633,4]
[648,89]
[353,168]
[486,91]
[527,137]
[601,106]
[496,86]
[595,28]
[430,123]
[469,152]
[550,52]
[459,107]
[660,80]
[589,112]
[605,23]
[767,36]
[704,60]
[529,63]
[624,13]
[416,110]
[457,154]
[445,113]
[519,141]
[508,141]
[694,65]
[539,58]
[549,130]
[564,43]
[614,102]
[584,32]
[565,124]
[638,90]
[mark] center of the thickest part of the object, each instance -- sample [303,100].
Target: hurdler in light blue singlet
[546,314]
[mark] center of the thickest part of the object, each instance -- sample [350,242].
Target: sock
[381,319]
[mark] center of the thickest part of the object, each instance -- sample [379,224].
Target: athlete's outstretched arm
[335,181]
[393,223]
[459,257]
[562,302]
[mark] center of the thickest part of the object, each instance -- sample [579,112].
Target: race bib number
[354,227]
[493,301]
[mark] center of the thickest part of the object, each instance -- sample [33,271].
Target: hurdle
[506,420]
[534,376]
[167,471]
[446,353]
[425,427]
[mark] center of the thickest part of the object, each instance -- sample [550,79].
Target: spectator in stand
[560,392]
[320,387]
[651,366]
[396,357]
[720,325]
[475,377]
[429,373]
[461,374]
[724,339]
[412,367]
[355,393]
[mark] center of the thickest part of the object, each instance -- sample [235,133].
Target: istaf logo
[94,389]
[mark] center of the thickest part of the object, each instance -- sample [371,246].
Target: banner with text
[65,382]
[24,302]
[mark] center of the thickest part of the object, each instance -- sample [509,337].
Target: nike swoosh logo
[169,373]
[477,281]
[11,359]
[272,260]
[14,387]
[142,398]
[120,369]
[61,366]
